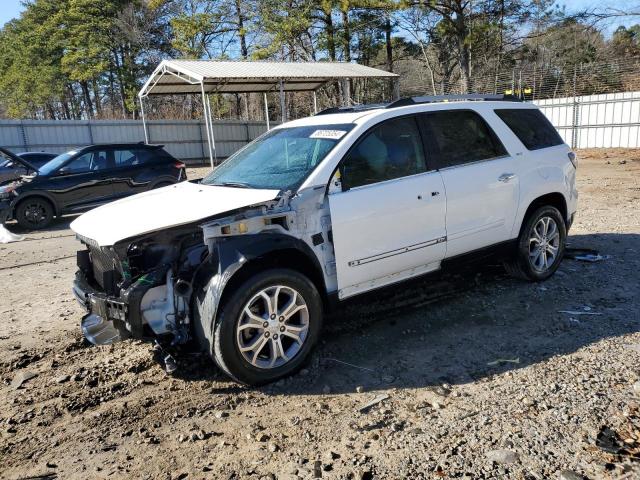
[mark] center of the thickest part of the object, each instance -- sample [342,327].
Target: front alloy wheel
[273,326]
[267,327]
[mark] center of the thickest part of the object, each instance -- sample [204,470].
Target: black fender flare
[227,257]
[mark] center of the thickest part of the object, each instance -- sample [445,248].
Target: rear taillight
[180,165]
[574,159]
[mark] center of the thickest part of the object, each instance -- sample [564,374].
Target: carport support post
[315,102]
[206,121]
[144,122]
[283,109]
[396,88]
[346,92]
[213,137]
[266,110]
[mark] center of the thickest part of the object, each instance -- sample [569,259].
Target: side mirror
[337,183]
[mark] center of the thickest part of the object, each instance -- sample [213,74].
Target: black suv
[81,179]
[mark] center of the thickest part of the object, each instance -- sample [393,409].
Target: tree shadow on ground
[461,327]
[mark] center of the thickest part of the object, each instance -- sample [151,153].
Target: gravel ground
[472,375]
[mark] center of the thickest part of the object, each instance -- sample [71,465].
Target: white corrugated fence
[593,121]
[596,121]
[184,139]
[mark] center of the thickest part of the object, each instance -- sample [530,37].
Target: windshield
[55,163]
[5,160]
[280,160]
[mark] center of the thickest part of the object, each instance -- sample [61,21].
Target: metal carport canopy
[203,77]
[173,77]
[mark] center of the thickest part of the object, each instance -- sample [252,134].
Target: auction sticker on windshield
[328,134]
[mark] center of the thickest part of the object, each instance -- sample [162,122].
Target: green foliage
[30,60]
[287,25]
[89,58]
[626,41]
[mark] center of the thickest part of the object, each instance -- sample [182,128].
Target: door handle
[505,177]
[433,194]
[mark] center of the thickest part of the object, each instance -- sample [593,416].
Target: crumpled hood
[163,208]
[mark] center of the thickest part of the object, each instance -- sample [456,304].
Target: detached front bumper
[106,318]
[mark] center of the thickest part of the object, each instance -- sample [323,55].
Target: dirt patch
[469,376]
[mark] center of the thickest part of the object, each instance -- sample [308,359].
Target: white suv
[320,209]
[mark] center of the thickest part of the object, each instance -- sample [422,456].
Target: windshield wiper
[234,184]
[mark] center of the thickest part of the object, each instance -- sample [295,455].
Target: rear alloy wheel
[267,328]
[540,246]
[544,244]
[34,213]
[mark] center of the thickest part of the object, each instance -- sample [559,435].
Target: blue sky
[11,8]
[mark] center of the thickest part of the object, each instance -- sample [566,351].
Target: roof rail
[354,108]
[403,102]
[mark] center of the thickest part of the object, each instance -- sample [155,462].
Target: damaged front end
[139,288]
[145,287]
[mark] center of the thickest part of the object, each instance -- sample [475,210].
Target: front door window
[390,150]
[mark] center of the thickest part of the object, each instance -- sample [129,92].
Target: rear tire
[541,246]
[266,329]
[34,213]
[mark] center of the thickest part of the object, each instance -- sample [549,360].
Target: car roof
[364,113]
[119,145]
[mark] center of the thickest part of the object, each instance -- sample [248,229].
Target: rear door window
[461,136]
[531,126]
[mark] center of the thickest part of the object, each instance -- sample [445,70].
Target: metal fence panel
[596,121]
[592,121]
[185,139]
[122,131]
[12,134]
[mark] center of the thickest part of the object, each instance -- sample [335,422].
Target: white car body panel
[546,171]
[481,208]
[385,229]
[166,207]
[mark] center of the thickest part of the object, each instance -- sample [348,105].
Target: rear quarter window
[530,126]
[141,156]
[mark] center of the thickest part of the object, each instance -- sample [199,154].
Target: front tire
[266,329]
[541,246]
[34,213]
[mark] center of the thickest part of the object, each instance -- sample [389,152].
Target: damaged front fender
[228,257]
